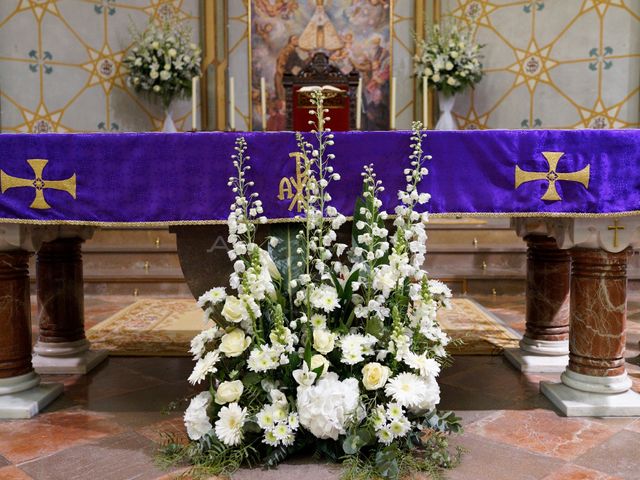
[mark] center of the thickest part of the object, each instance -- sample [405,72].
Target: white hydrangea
[326,408]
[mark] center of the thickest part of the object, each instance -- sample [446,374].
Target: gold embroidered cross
[296,183]
[38,183]
[552,176]
[615,227]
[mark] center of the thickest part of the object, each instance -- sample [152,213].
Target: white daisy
[213,296]
[204,366]
[229,425]
[404,388]
[385,435]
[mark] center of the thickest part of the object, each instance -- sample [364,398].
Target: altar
[573,196]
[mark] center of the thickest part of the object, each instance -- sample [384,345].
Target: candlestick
[425,102]
[359,104]
[194,102]
[263,103]
[232,104]
[392,107]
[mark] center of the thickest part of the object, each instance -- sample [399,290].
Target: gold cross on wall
[38,183]
[552,176]
[615,227]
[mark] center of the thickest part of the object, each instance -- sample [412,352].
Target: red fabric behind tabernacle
[338,111]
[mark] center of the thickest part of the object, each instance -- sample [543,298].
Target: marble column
[21,393]
[545,344]
[62,346]
[595,382]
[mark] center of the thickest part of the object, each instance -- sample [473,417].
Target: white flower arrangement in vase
[162,62]
[449,60]
[321,346]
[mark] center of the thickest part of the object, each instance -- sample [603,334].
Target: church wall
[553,63]
[60,65]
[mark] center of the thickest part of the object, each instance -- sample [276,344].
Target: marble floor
[107,425]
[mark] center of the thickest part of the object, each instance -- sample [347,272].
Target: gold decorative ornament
[291,188]
[552,176]
[615,227]
[38,183]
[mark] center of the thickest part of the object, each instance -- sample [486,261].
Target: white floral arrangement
[162,61]
[321,346]
[449,59]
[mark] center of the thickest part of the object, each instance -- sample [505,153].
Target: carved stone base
[24,396]
[588,383]
[80,363]
[545,347]
[528,362]
[574,403]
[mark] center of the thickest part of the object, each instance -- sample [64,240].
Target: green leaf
[351,445]
[251,378]
[285,255]
[387,463]
[375,327]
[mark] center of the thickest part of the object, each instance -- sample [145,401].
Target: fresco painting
[355,33]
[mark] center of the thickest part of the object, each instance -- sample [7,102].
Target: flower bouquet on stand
[448,60]
[162,62]
[320,346]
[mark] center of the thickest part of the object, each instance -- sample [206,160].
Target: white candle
[194,102]
[359,104]
[425,102]
[392,107]
[232,103]
[263,103]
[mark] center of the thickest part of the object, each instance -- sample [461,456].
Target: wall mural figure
[354,33]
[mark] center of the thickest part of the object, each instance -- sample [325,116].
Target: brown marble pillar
[15,315]
[62,346]
[598,321]
[548,287]
[60,288]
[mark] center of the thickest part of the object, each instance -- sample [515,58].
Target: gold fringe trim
[20,221]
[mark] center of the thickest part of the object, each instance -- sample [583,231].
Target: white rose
[155,45]
[323,341]
[229,392]
[374,375]
[234,311]
[173,52]
[156,88]
[234,343]
[320,361]
[164,75]
[154,74]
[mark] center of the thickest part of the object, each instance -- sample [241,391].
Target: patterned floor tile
[13,473]
[543,432]
[574,472]
[22,440]
[619,455]
[122,457]
[488,460]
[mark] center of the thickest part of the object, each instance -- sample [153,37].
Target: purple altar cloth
[172,179]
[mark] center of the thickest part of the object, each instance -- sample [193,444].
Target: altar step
[472,256]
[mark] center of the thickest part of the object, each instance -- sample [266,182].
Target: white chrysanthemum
[199,342]
[213,297]
[263,358]
[204,366]
[324,297]
[229,425]
[318,321]
[385,435]
[428,367]
[399,427]
[196,419]
[326,408]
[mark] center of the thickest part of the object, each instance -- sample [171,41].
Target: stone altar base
[79,364]
[574,403]
[528,362]
[24,396]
